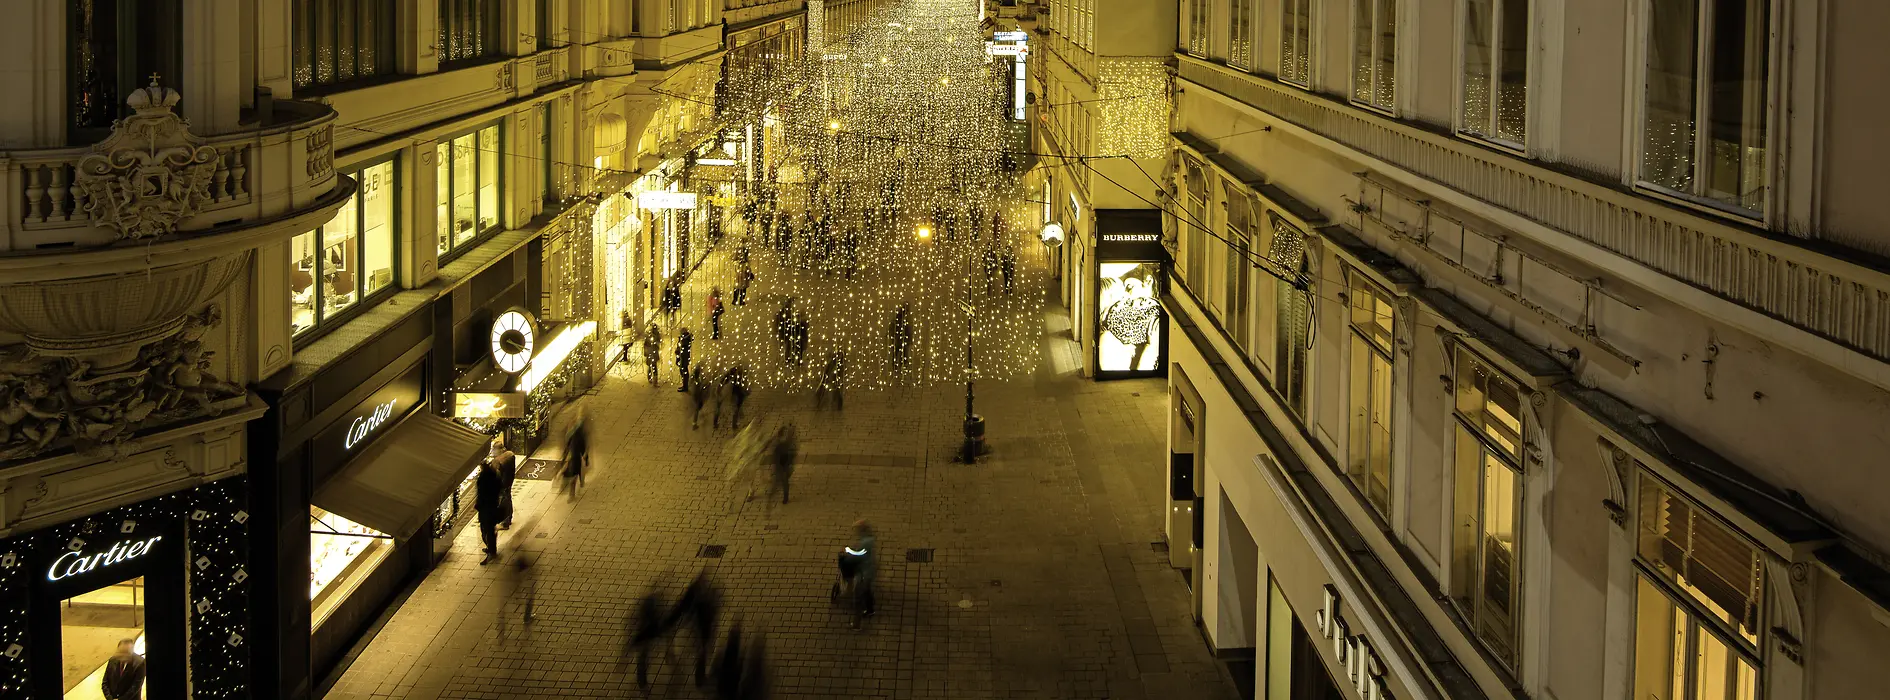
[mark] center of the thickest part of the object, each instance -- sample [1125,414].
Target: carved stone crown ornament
[151,173]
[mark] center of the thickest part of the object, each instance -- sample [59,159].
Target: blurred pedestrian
[800,339]
[866,547]
[715,313]
[1007,268]
[784,329]
[727,669]
[833,379]
[684,342]
[701,603]
[901,335]
[990,269]
[653,351]
[672,296]
[742,280]
[698,396]
[734,386]
[754,680]
[650,625]
[783,452]
[486,488]
[521,587]
[577,456]
[507,464]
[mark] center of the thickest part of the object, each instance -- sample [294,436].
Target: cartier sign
[366,421]
[1363,671]
[74,563]
[363,426]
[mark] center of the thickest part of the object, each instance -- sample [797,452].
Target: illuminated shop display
[1129,318]
[341,553]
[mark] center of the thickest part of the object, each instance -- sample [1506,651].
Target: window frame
[364,299]
[1772,110]
[1388,73]
[1516,461]
[1530,78]
[1200,21]
[488,40]
[1385,348]
[1700,618]
[387,46]
[444,178]
[1296,77]
[1243,36]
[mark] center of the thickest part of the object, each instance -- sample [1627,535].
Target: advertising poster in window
[1129,319]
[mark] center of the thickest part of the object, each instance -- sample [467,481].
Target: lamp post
[974,424]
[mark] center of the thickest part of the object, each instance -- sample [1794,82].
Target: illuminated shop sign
[363,426]
[994,49]
[666,200]
[1362,667]
[74,563]
[375,415]
[1011,36]
[1132,237]
[467,404]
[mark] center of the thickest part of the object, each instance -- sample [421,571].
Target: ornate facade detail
[150,174]
[47,402]
[321,153]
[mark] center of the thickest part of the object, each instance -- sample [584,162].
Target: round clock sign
[512,341]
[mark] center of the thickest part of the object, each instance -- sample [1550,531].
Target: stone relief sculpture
[150,174]
[50,401]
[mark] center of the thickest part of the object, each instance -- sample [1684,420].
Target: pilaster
[420,258]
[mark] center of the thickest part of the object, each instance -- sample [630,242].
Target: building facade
[1099,88]
[267,260]
[1530,349]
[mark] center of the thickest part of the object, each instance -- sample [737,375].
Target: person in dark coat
[727,669]
[901,336]
[507,462]
[124,673]
[735,383]
[683,344]
[701,603]
[715,313]
[653,351]
[1007,268]
[698,397]
[754,684]
[833,380]
[486,490]
[649,625]
[577,456]
[784,450]
[742,280]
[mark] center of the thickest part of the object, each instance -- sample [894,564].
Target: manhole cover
[919,556]
[1159,547]
[711,551]
[541,535]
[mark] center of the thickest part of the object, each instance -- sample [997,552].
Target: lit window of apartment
[1375,53]
[1199,14]
[337,41]
[1243,221]
[1368,461]
[349,259]
[467,188]
[1495,87]
[1296,40]
[1485,535]
[1240,33]
[1293,313]
[1697,603]
[468,29]
[1704,131]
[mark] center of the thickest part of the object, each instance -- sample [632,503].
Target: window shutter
[1712,563]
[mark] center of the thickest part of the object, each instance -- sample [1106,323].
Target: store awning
[398,483]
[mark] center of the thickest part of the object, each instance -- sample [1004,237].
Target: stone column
[420,260]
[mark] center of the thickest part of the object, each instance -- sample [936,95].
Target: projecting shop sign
[666,200]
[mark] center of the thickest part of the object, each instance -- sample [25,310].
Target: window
[1242,218]
[1375,52]
[1197,192]
[1292,313]
[1485,540]
[113,48]
[1705,125]
[348,259]
[468,188]
[468,29]
[1198,14]
[1368,462]
[1240,33]
[1296,42]
[337,41]
[1496,69]
[543,12]
[1697,603]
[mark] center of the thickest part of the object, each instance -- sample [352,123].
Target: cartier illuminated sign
[76,563]
[363,426]
[1363,670]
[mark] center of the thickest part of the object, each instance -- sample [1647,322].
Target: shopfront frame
[1131,237]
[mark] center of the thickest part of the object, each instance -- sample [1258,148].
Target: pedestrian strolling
[1007,268]
[901,336]
[728,669]
[672,296]
[742,280]
[833,379]
[784,329]
[650,624]
[486,488]
[866,549]
[698,396]
[715,313]
[653,351]
[990,269]
[783,452]
[735,387]
[701,603]
[522,587]
[577,456]
[507,465]
[684,341]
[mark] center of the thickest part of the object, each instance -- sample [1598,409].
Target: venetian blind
[1710,562]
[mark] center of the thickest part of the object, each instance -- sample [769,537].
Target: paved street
[1041,580]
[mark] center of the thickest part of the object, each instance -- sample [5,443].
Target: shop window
[339,41]
[468,29]
[1705,106]
[1495,80]
[467,189]
[348,260]
[1374,52]
[1485,539]
[97,627]
[341,554]
[1296,42]
[1368,459]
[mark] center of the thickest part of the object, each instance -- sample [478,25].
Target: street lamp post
[974,425]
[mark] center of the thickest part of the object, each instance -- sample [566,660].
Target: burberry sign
[1363,670]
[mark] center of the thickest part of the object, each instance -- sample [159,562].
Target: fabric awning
[399,481]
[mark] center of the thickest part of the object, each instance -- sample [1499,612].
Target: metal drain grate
[711,551]
[1159,547]
[919,556]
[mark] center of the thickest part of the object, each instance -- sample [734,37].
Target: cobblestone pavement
[1041,580]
